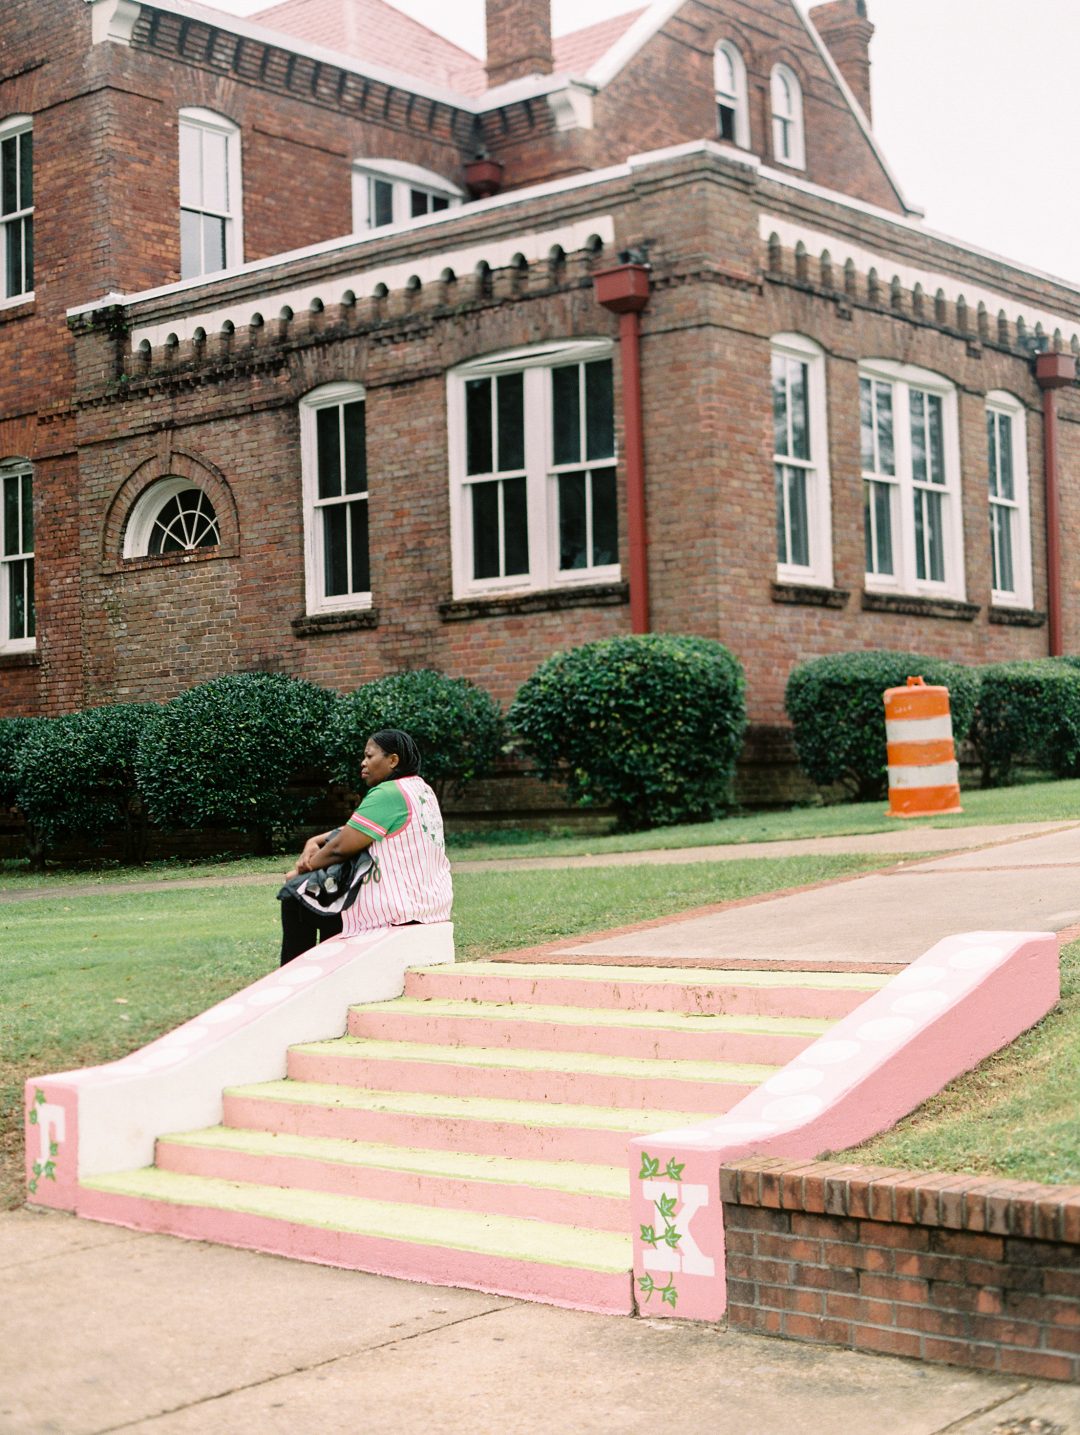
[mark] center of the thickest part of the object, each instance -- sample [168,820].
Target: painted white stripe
[918,729]
[942,774]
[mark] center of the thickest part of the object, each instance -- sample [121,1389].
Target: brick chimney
[846,29]
[518,39]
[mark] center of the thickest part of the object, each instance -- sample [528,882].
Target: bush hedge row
[649,725]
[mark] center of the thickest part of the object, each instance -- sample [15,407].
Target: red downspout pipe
[1053,372]
[625,291]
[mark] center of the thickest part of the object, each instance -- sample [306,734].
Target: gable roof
[374,31]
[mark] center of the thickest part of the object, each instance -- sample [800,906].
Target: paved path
[1029,883]
[105,1330]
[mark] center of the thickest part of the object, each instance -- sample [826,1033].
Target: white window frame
[13,126]
[205,122]
[735,99]
[403,179]
[317,600]
[541,474]
[818,572]
[14,468]
[1001,405]
[788,127]
[140,524]
[904,378]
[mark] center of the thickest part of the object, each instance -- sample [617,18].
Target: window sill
[17,308]
[951,609]
[315,625]
[550,600]
[28,658]
[169,560]
[1017,617]
[809,595]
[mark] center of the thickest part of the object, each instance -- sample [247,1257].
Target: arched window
[732,110]
[16,557]
[174,515]
[788,142]
[211,209]
[335,478]
[388,191]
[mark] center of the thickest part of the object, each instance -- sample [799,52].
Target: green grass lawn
[88,978]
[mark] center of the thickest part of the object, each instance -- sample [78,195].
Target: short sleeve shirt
[383,812]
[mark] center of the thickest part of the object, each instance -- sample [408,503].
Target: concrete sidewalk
[106,1330]
[886,919]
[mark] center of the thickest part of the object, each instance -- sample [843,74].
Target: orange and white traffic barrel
[924,777]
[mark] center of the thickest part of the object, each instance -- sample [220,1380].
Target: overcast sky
[974,106]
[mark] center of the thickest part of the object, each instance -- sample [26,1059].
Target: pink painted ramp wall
[965,998]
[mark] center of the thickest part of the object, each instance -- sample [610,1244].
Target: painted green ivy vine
[669,1236]
[42,1169]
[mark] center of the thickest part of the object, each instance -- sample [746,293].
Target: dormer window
[788,142]
[732,111]
[390,192]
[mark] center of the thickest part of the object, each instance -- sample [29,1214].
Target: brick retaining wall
[958,1270]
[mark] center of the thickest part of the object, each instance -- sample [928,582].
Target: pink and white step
[471,1126]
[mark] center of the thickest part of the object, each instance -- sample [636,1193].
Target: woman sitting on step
[400,822]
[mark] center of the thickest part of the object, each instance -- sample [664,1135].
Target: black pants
[301,928]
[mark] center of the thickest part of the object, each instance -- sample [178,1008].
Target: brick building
[324,350]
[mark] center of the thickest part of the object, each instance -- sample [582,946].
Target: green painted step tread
[673,976]
[577,1063]
[602,1016]
[484,1234]
[558,1115]
[577,1177]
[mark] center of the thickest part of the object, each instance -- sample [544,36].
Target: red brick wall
[950,1269]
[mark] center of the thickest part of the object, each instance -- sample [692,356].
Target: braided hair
[399,744]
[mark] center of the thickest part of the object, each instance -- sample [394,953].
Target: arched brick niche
[171,476]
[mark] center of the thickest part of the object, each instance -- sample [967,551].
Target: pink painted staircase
[474,1131]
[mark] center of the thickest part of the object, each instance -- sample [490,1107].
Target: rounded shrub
[1028,711]
[457,726]
[74,776]
[651,725]
[13,733]
[836,708]
[229,752]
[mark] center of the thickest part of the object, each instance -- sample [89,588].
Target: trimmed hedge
[458,727]
[1028,711]
[13,733]
[651,725]
[228,753]
[837,711]
[74,776]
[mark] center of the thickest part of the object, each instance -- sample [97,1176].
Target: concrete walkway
[886,919]
[105,1330]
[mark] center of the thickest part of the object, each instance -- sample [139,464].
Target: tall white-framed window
[911,481]
[17,208]
[801,461]
[333,452]
[732,108]
[1010,514]
[211,197]
[534,498]
[17,629]
[387,191]
[788,130]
